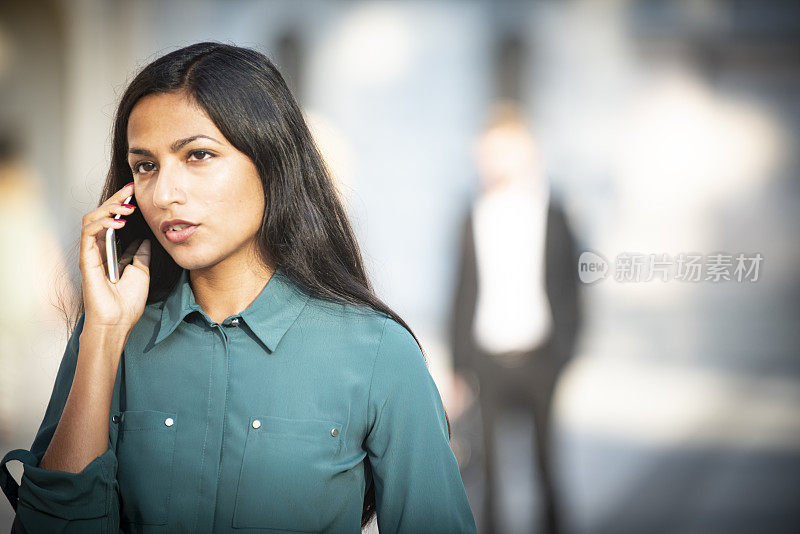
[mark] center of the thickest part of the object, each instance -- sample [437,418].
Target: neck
[222,291]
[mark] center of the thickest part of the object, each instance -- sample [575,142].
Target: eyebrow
[177,145]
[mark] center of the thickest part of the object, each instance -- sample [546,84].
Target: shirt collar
[269,316]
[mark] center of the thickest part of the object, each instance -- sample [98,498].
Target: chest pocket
[145,450]
[289,480]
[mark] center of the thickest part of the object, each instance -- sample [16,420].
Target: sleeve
[563,281]
[58,501]
[418,487]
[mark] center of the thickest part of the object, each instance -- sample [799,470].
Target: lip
[166,224]
[181,235]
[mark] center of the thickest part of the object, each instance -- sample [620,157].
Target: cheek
[231,215]
[255,209]
[246,201]
[243,214]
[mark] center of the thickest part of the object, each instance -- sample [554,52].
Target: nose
[169,186]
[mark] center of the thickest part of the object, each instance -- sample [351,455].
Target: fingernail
[129,183]
[120,220]
[127,205]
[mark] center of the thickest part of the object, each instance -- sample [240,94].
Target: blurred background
[476,142]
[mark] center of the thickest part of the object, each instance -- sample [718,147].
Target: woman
[263,385]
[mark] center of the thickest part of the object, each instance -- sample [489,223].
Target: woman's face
[202,180]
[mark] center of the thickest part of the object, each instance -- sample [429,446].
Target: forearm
[82,431]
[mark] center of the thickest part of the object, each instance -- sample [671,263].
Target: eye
[206,152]
[135,168]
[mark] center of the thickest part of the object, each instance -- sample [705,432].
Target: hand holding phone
[111,249]
[113,297]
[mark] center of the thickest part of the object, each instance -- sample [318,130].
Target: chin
[191,260]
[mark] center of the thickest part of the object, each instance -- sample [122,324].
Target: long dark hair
[304,227]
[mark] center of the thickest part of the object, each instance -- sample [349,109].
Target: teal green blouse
[273,420]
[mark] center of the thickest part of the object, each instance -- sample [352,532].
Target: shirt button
[256,424]
[168,421]
[115,419]
[334,432]
[235,321]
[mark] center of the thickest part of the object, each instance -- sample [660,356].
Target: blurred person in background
[516,312]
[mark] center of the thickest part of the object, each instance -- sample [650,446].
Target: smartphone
[111,249]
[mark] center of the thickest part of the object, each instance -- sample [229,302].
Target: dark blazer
[561,279]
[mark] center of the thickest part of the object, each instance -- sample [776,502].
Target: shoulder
[364,322]
[343,319]
[398,342]
[361,329]
[399,361]
[347,334]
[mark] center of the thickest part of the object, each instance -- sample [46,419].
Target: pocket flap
[147,420]
[297,428]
